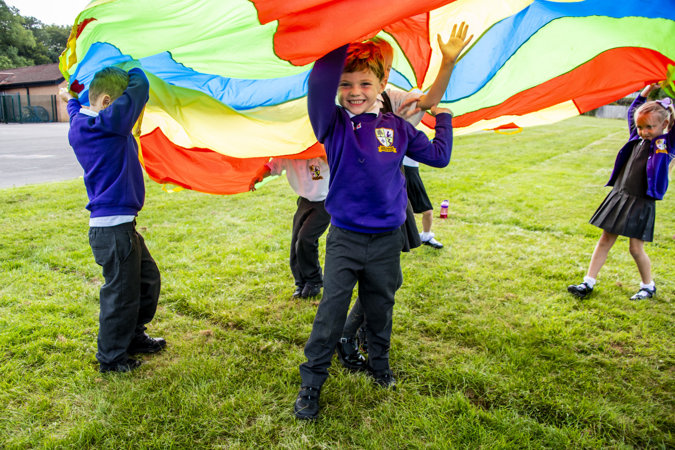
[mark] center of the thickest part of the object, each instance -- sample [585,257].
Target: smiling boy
[367,203]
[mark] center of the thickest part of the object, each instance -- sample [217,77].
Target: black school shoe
[644,293]
[124,366]
[580,290]
[146,344]
[311,290]
[297,293]
[349,356]
[433,243]
[307,404]
[384,378]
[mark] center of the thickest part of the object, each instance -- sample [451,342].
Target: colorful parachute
[228,77]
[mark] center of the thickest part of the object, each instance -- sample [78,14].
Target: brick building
[30,94]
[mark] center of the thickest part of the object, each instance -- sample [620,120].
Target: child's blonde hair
[110,80]
[663,109]
[364,56]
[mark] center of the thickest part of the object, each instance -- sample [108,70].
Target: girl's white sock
[589,281]
[649,286]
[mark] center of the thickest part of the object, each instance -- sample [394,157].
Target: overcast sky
[59,12]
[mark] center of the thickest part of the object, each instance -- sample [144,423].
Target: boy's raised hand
[65,95]
[456,42]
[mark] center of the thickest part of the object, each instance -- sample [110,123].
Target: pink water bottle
[444,209]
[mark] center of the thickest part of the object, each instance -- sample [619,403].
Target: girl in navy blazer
[639,178]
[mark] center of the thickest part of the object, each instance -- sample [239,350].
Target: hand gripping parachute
[228,78]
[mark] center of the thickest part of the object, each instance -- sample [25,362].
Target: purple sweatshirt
[107,151]
[367,188]
[661,152]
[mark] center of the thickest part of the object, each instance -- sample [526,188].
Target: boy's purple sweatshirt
[367,188]
[107,151]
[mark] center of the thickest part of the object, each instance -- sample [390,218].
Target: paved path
[33,153]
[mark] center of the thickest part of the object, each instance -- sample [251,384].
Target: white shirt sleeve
[276,166]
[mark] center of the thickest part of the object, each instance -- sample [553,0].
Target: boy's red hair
[385,48]
[365,56]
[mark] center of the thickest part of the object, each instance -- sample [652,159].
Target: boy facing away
[105,148]
[367,204]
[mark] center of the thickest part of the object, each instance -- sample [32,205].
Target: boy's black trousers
[309,223]
[372,260]
[128,299]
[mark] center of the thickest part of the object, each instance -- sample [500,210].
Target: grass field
[489,349]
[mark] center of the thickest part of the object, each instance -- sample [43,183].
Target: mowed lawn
[488,347]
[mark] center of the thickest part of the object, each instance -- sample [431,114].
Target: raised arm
[450,51]
[639,100]
[322,85]
[668,104]
[437,152]
[73,107]
[123,113]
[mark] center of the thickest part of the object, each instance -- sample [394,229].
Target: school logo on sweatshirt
[660,146]
[386,138]
[316,172]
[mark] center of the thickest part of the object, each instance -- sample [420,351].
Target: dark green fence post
[54,109]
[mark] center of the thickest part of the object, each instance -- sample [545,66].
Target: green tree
[54,38]
[25,41]
[15,40]
[50,40]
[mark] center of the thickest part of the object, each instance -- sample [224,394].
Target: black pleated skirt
[409,227]
[417,194]
[626,215]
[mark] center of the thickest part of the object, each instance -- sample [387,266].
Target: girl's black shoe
[580,290]
[644,293]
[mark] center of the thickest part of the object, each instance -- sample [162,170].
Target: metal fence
[615,110]
[27,108]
